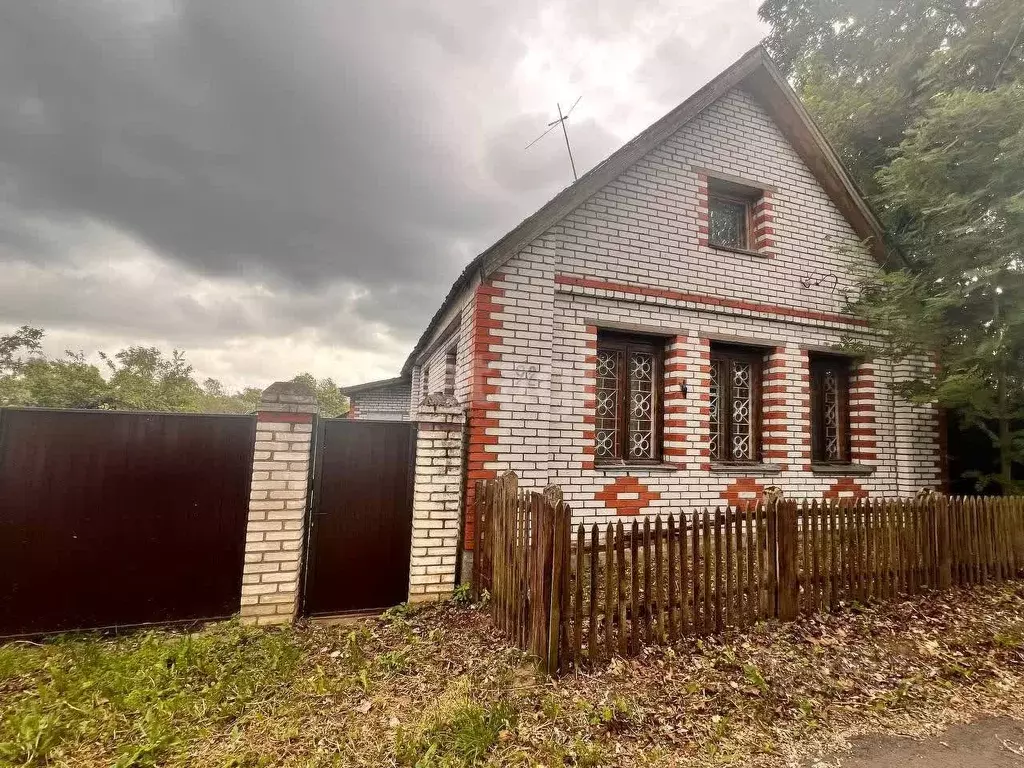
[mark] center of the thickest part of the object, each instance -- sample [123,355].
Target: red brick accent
[763,230]
[707,300]
[863,428]
[481,415]
[743,490]
[774,419]
[629,485]
[846,487]
[676,405]
[353,412]
[589,398]
[285,417]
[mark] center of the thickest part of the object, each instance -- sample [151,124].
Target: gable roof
[759,76]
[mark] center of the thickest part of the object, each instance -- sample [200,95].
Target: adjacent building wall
[387,403]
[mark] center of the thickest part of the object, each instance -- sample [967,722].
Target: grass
[438,687]
[138,699]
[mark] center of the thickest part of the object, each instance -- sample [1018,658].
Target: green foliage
[143,696]
[924,101]
[332,403]
[136,378]
[868,69]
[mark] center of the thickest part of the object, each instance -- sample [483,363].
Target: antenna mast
[561,121]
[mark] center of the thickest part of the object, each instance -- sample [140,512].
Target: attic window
[731,211]
[730,220]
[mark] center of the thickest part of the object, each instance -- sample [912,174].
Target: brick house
[384,400]
[662,334]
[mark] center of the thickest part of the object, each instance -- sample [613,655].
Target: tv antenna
[561,121]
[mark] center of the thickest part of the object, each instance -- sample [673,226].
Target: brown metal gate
[361,523]
[120,518]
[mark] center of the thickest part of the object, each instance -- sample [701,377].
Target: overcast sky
[285,186]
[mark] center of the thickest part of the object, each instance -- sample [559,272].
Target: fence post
[788,584]
[944,549]
[278,497]
[437,498]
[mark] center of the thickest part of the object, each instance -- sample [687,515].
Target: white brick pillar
[277,503]
[437,498]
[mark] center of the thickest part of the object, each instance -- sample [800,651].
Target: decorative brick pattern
[764,234]
[437,498]
[482,414]
[743,490]
[786,408]
[863,427]
[687,415]
[277,504]
[846,488]
[703,301]
[627,496]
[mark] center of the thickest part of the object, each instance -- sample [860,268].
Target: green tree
[867,70]
[69,382]
[142,378]
[923,100]
[137,378]
[332,403]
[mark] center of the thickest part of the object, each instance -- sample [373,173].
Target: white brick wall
[390,403]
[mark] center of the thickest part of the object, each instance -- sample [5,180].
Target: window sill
[732,249]
[841,470]
[745,469]
[625,468]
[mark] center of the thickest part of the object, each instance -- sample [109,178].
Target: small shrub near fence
[575,596]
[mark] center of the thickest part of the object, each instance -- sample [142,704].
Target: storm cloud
[280,186]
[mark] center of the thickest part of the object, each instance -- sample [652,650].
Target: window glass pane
[742,407]
[716,443]
[728,223]
[641,405]
[606,422]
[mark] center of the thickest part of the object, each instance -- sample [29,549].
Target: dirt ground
[989,743]
[438,686]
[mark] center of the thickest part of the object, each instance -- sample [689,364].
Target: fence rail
[575,597]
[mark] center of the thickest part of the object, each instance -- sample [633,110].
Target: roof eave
[368,386]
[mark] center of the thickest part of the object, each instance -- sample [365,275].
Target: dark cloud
[349,157]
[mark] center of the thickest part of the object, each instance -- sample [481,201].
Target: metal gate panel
[361,524]
[114,518]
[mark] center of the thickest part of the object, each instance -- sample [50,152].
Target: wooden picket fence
[575,597]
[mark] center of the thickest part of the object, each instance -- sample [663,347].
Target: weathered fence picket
[576,596]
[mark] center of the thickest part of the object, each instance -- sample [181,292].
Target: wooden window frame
[726,354]
[843,366]
[748,217]
[625,344]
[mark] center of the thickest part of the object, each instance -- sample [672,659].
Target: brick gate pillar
[437,497]
[277,503]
